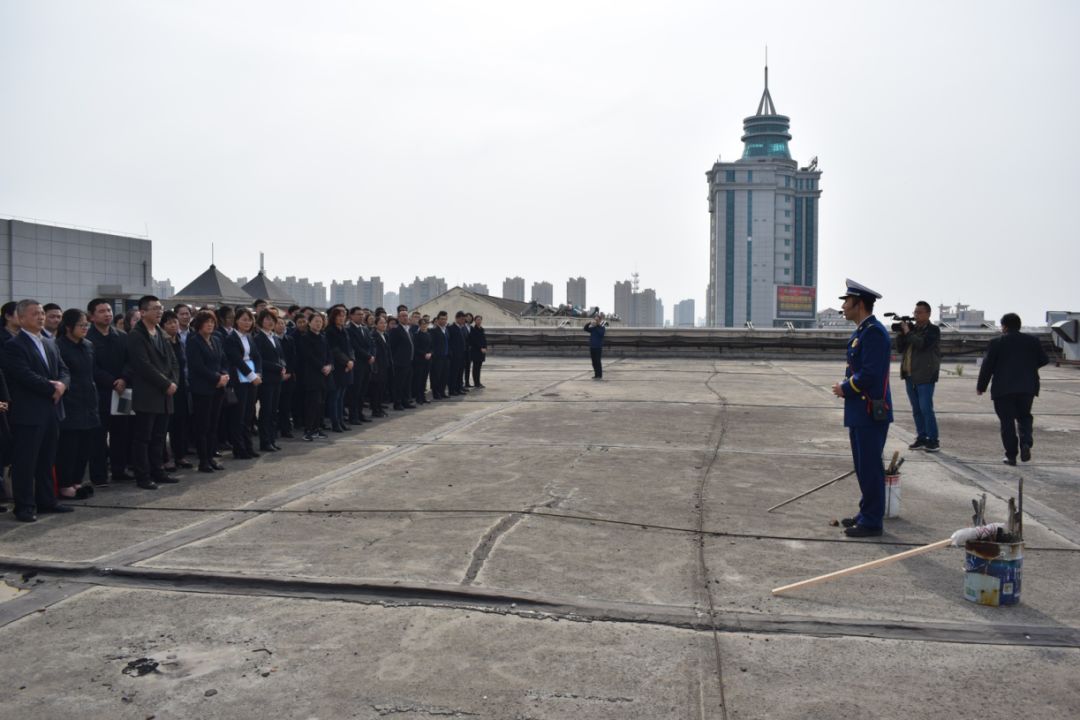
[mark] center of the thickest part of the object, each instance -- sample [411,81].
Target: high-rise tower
[763,230]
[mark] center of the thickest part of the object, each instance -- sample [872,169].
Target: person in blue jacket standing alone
[596,329]
[867,406]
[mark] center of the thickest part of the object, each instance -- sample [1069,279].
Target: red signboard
[795,302]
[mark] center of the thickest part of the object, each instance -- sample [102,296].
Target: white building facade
[763,230]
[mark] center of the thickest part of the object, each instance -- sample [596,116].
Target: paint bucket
[992,572]
[892,495]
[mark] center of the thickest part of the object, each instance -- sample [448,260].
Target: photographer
[920,345]
[596,329]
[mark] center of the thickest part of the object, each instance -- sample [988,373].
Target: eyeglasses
[82,325]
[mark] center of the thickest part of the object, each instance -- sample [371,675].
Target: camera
[900,320]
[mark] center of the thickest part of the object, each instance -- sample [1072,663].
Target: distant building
[763,229]
[500,312]
[832,318]
[70,267]
[262,287]
[637,308]
[684,313]
[304,291]
[369,292]
[420,291]
[477,288]
[212,287]
[162,288]
[543,292]
[961,317]
[345,293]
[390,302]
[575,292]
[514,289]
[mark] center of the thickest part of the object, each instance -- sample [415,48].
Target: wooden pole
[825,484]
[865,566]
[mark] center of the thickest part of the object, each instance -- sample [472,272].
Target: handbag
[230,396]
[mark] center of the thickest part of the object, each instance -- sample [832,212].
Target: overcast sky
[476,140]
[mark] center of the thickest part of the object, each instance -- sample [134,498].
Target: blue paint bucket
[992,572]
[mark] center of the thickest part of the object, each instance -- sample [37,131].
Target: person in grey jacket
[920,348]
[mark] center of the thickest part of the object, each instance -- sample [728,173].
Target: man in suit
[1013,361]
[458,351]
[867,406]
[113,445]
[440,356]
[38,379]
[361,343]
[402,349]
[273,375]
[466,327]
[155,375]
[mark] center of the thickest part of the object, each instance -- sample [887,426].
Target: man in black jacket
[361,343]
[440,357]
[155,375]
[274,370]
[113,445]
[38,380]
[920,347]
[458,351]
[1013,361]
[401,353]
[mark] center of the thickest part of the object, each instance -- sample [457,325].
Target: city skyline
[310,135]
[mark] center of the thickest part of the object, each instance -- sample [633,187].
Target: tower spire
[766,107]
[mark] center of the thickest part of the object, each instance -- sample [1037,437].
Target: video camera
[900,320]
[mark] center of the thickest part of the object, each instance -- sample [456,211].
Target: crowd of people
[88,399]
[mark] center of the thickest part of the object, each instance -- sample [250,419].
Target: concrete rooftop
[553,547]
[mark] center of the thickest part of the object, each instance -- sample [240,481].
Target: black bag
[230,396]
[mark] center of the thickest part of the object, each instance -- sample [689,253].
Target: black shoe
[125,476]
[184,464]
[252,454]
[23,516]
[57,508]
[146,484]
[933,446]
[480,386]
[216,465]
[277,448]
[320,435]
[216,453]
[268,448]
[206,469]
[849,522]
[169,468]
[308,437]
[337,429]
[104,482]
[858,531]
[397,406]
[409,406]
[84,492]
[287,435]
[167,480]
[1025,453]
[918,444]
[1008,460]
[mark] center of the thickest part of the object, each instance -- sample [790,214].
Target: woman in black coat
[316,367]
[180,420]
[380,370]
[79,428]
[477,348]
[245,373]
[207,378]
[342,357]
[288,381]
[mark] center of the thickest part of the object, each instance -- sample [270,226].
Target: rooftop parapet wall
[719,342]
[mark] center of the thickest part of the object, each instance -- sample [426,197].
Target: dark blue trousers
[867,445]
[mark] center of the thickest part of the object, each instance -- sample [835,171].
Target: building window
[729,176]
[787,181]
[787,228]
[787,242]
[787,256]
[750,176]
[786,271]
[787,213]
[787,199]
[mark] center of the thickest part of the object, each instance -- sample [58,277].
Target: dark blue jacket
[206,364]
[234,357]
[401,346]
[341,352]
[477,340]
[596,335]
[1013,361]
[81,397]
[440,344]
[456,334]
[29,379]
[313,353]
[867,376]
[272,353]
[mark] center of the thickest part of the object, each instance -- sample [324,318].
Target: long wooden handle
[812,490]
[865,566]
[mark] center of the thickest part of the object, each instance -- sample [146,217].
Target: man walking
[867,406]
[920,345]
[1013,361]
